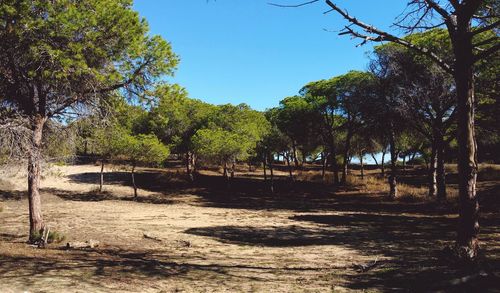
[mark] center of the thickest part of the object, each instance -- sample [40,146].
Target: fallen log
[79,245]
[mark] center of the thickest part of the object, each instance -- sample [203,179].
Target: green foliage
[231,133]
[76,51]
[143,148]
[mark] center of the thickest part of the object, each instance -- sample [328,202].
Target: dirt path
[210,241]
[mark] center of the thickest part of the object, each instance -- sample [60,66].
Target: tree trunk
[295,159]
[333,163]
[361,155]
[264,163]
[323,165]
[290,172]
[272,173]
[233,167]
[37,224]
[382,163]
[468,229]
[347,150]
[101,178]
[432,172]
[189,169]
[375,160]
[133,181]
[224,173]
[440,168]
[393,189]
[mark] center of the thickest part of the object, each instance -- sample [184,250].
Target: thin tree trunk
[441,171]
[323,167]
[440,168]
[347,151]
[224,174]
[189,169]
[333,163]
[361,155]
[382,164]
[37,224]
[233,166]
[101,178]
[264,163]
[272,173]
[289,167]
[133,181]
[393,191]
[468,229]
[375,160]
[295,159]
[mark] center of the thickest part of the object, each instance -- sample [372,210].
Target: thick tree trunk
[393,189]
[37,224]
[133,181]
[468,229]
[432,172]
[101,177]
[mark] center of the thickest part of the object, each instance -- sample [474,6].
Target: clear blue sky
[235,51]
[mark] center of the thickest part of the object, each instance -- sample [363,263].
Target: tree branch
[384,36]
[486,52]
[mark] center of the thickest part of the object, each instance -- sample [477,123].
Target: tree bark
[233,167]
[334,165]
[382,163]
[290,172]
[271,171]
[375,160]
[440,168]
[393,189]
[295,159]
[189,169]
[361,155]
[133,181]
[323,165]
[468,229]
[432,172]
[264,163]
[345,163]
[37,224]
[101,177]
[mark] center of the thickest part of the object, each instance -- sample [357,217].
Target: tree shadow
[102,196]
[13,194]
[103,265]
[410,242]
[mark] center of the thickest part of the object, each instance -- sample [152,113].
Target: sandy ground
[203,243]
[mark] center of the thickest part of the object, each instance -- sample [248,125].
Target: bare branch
[486,28]
[487,52]
[293,6]
[384,36]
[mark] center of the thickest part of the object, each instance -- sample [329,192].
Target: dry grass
[209,239]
